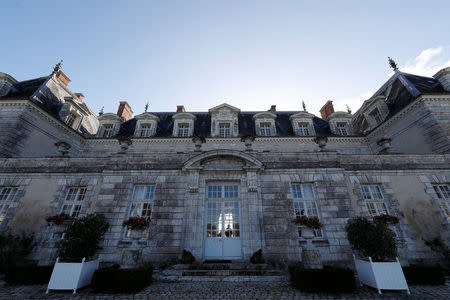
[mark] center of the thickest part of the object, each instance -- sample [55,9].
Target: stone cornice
[27,104]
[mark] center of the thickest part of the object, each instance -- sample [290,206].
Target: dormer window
[146,130]
[376,115]
[265,129]
[183,129]
[108,130]
[70,119]
[303,129]
[224,130]
[341,128]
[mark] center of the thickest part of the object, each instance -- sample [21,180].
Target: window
[305,204]
[73,201]
[70,119]
[222,215]
[224,130]
[7,194]
[146,130]
[303,129]
[265,129]
[107,130]
[142,204]
[443,193]
[341,128]
[374,200]
[183,129]
[376,115]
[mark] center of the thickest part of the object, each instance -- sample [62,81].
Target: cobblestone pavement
[223,290]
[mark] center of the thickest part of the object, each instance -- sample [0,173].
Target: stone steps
[220,272]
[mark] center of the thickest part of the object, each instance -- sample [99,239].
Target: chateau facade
[224,183]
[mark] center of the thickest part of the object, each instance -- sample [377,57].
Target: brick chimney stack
[180,109]
[124,111]
[62,78]
[327,109]
[273,108]
[79,96]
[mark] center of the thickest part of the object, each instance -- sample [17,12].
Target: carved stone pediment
[223,163]
[223,160]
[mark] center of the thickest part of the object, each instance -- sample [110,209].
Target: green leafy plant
[82,237]
[422,275]
[326,280]
[14,248]
[313,222]
[372,239]
[28,274]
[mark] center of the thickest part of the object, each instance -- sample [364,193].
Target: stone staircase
[220,272]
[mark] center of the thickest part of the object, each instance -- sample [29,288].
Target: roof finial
[101,111]
[393,64]
[304,106]
[146,107]
[58,67]
[348,109]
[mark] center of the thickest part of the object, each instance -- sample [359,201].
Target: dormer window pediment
[183,125]
[302,124]
[109,125]
[265,124]
[146,125]
[224,121]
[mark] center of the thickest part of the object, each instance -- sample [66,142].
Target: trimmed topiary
[115,280]
[82,237]
[373,239]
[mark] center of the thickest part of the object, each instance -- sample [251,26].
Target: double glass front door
[223,231]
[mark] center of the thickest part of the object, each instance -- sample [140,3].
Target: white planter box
[381,275]
[72,276]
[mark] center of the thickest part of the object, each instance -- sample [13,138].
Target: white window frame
[70,119]
[145,129]
[224,129]
[141,206]
[107,130]
[374,199]
[303,129]
[443,193]
[376,115]
[342,128]
[183,129]
[74,198]
[7,195]
[305,204]
[265,128]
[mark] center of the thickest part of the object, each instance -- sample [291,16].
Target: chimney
[327,109]
[180,109]
[79,96]
[444,78]
[273,108]
[124,111]
[62,78]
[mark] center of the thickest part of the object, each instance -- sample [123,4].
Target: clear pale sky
[250,54]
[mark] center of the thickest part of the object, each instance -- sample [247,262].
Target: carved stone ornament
[62,148]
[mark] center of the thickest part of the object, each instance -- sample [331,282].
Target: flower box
[72,276]
[136,223]
[57,219]
[381,275]
[386,218]
[313,222]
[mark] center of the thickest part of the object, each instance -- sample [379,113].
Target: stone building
[228,195]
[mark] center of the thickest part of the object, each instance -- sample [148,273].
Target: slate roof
[24,89]
[202,124]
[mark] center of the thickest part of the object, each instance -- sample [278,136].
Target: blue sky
[250,54]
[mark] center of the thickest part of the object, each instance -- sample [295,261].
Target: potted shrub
[136,225]
[377,264]
[124,142]
[79,245]
[308,225]
[247,139]
[311,258]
